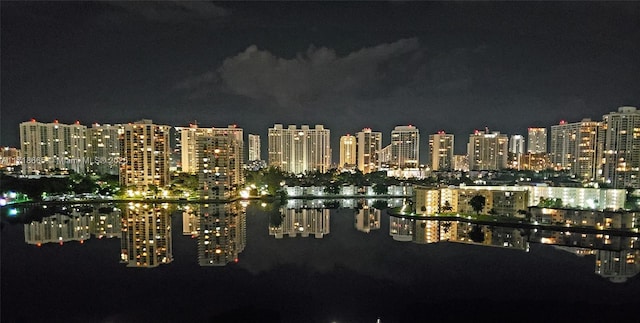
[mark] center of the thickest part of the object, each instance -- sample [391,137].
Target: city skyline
[446,66]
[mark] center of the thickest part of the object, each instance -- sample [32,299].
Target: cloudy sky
[452,66]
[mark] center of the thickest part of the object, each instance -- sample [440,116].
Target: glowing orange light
[33,120]
[236,260]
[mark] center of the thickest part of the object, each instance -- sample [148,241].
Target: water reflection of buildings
[367,218]
[303,221]
[221,232]
[617,266]
[74,223]
[598,241]
[190,221]
[146,235]
[432,231]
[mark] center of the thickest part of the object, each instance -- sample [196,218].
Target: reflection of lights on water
[13,212]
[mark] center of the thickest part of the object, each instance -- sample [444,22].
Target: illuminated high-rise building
[186,143]
[144,147]
[516,144]
[461,162]
[49,146]
[219,153]
[369,144]
[384,157]
[221,233]
[405,147]
[254,147]
[347,151]
[103,148]
[575,147]
[299,150]
[621,148]
[487,151]
[537,140]
[146,236]
[441,151]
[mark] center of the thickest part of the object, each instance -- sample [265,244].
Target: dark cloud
[173,11]
[310,76]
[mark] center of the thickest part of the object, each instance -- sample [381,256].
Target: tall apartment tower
[186,141]
[219,154]
[441,151]
[516,144]
[144,147]
[298,150]
[369,144]
[405,147]
[254,147]
[621,147]
[347,151]
[187,137]
[103,148]
[487,151]
[575,147]
[537,140]
[49,146]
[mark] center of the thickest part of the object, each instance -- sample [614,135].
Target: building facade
[254,147]
[487,151]
[299,150]
[52,146]
[537,140]
[369,144]
[516,144]
[219,154]
[144,149]
[576,147]
[621,148]
[347,152]
[103,148]
[405,147]
[441,147]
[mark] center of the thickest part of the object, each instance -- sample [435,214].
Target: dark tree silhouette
[477,203]
[476,234]
[447,207]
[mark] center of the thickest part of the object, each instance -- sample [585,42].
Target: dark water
[351,262]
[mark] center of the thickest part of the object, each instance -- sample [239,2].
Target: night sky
[453,66]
